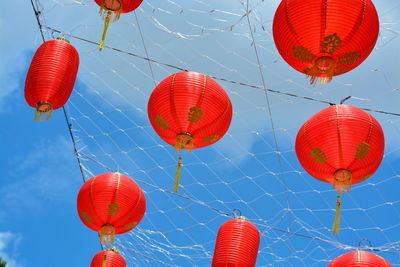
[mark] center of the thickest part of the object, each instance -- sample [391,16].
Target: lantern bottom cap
[342,181]
[107,233]
[324,69]
[113,12]
[43,108]
[184,140]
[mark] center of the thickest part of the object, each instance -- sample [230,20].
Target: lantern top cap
[62,39]
[113,250]
[241,218]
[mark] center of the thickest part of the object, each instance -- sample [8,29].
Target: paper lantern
[237,244]
[108,258]
[324,38]
[359,259]
[111,10]
[189,110]
[51,77]
[341,145]
[111,204]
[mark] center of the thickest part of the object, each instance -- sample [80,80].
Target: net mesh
[253,170]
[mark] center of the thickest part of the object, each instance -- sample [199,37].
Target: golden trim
[370,128]
[91,197]
[384,261]
[171,91]
[203,92]
[338,131]
[288,17]
[213,123]
[118,183]
[199,102]
[134,208]
[305,135]
[363,15]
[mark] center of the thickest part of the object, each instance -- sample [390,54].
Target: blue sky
[40,177]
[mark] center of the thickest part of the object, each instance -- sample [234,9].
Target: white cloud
[16,42]
[9,248]
[47,173]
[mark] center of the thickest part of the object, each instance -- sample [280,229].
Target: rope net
[246,170]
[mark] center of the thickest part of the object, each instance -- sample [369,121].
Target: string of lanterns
[341,145]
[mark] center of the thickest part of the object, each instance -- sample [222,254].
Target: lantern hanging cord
[214,77]
[343,100]
[233,213]
[364,239]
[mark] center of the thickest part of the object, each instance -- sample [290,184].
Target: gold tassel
[178,175]
[104,260]
[336,224]
[106,23]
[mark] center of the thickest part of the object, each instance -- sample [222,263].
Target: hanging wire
[273,132]
[232,213]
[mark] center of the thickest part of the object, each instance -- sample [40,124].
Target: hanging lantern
[360,259]
[322,38]
[51,76]
[237,244]
[189,110]
[108,258]
[111,10]
[111,204]
[341,145]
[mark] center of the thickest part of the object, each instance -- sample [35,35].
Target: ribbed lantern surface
[323,38]
[237,244]
[189,110]
[108,258]
[359,259]
[340,140]
[111,203]
[121,6]
[51,75]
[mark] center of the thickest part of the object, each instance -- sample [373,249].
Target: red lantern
[237,244]
[324,38]
[341,145]
[111,204]
[360,259]
[189,110]
[51,76]
[110,10]
[108,258]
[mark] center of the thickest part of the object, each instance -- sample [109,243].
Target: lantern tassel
[336,224]
[178,175]
[43,108]
[184,140]
[106,234]
[324,69]
[104,261]
[106,23]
